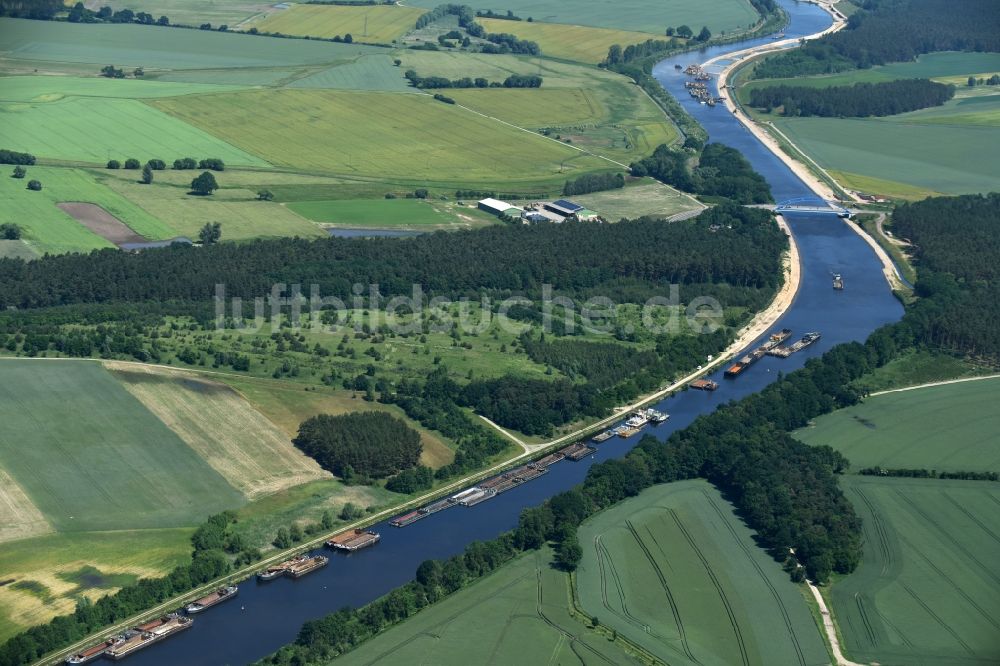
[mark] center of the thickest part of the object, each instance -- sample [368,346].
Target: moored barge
[773,341]
[146,634]
[805,341]
[278,570]
[577,451]
[95,651]
[308,565]
[217,597]
[353,540]
[407,518]
[603,437]
[704,385]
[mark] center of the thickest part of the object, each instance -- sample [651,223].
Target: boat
[637,420]
[704,385]
[308,565]
[677,67]
[838,281]
[407,518]
[354,540]
[95,651]
[805,341]
[772,342]
[146,634]
[656,416]
[604,436]
[628,432]
[577,451]
[217,597]
[278,570]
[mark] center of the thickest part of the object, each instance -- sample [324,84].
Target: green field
[408,137]
[50,89]
[517,615]
[928,589]
[569,42]
[91,457]
[46,228]
[635,15]
[921,367]
[155,48]
[947,428]
[927,155]
[236,208]
[646,197]
[390,213]
[378,24]
[675,571]
[95,130]
[373,72]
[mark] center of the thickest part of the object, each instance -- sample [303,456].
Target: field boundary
[933,384]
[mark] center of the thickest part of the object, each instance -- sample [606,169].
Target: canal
[266,616]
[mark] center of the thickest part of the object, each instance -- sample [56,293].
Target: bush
[14,157]
[114,164]
[10,231]
[132,163]
[213,163]
[34,185]
[156,165]
[185,164]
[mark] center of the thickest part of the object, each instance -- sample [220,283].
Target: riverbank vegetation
[859,100]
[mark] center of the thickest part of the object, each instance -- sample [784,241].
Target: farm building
[497,207]
[586,215]
[533,216]
[563,207]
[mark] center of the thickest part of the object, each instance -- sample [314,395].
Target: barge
[603,437]
[407,518]
[805,341]
[146,634]
[773,341]
[704,385]
[550,459]
[278,570]
[439,505]
[577,451]
[628,432]
[307,566]
[354,540]
[217,597]
[95,651]
[656,416]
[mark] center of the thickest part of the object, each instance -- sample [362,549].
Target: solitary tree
[210,233]
[265,195]
[114,164]
[10,231]
[147,175]
[204,184]
[19,171]
[34,185]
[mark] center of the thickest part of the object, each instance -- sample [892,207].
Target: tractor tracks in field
[786,618]
[737,631]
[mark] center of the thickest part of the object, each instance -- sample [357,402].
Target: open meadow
[408,137]
[646,197]
[635,15]
[192,12]
[947,428]
[580,43]
[928,590]
[518,614]
[214,420]
[375,24]
[420,214]
[676,572]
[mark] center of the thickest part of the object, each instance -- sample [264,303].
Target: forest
[626,261]
[885,31]
[721,171]
[593,183]
[359,446]
[860,100]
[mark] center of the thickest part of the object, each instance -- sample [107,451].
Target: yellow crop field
[571,42]
[19,517]
[239,442]
[377,24]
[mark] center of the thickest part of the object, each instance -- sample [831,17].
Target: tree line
[920,473]
[720,171]
[885,31]
[512,81]
[860,100]
[631,260]
[594,182]
[14,157]
[359,445]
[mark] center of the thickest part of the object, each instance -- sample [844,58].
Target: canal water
[265,616]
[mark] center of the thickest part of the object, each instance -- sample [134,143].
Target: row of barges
[773,346]
[135,639]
